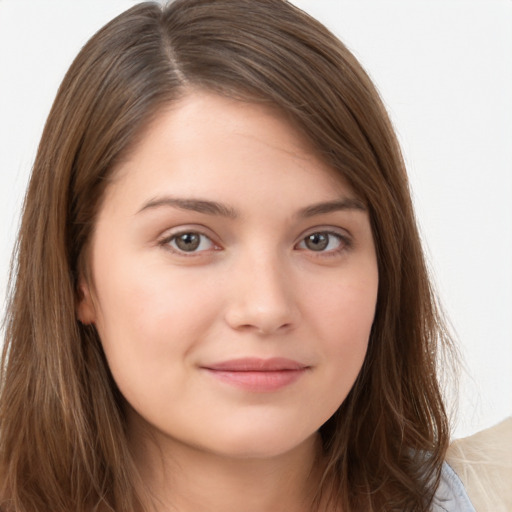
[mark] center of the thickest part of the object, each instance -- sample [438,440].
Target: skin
[255,286]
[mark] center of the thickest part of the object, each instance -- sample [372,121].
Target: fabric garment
[483,462]
[451,496]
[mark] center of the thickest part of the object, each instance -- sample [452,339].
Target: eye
[188,242]
[323,241]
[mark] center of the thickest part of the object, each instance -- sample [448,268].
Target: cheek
[345,309]
[142,297]
[343,317]
[148,319]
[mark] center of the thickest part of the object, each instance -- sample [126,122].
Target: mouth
[257,375]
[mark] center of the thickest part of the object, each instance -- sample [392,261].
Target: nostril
[260,321]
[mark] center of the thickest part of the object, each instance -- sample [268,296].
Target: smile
[258,375]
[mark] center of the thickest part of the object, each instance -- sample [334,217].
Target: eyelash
[344,241]
[168,240]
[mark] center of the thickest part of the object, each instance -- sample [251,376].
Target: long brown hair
[62,431]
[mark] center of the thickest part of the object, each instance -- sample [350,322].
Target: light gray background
[444,69]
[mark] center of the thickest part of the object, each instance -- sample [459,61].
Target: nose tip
[263,303]
[261,322]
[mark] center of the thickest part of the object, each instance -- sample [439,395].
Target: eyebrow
[195,205]
[345,203]
[214,208]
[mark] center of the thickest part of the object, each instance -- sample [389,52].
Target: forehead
[206,139]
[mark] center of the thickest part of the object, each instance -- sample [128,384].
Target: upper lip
[256,364]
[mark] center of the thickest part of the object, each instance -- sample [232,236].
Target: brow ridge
[215,208]
[345,203]
[196,205]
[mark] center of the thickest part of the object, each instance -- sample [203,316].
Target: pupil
[188,241]
[317,241]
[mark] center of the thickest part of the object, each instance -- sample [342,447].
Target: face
[233,281]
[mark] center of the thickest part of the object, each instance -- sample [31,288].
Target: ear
[85,310]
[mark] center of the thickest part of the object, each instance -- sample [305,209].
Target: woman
[220,300]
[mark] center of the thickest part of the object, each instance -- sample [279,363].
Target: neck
[182,478]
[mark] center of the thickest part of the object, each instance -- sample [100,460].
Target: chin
[263,445]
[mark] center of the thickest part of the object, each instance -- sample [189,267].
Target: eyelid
[343,235]
[170,234]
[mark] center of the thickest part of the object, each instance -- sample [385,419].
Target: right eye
[188,242]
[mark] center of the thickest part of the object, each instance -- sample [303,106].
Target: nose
[262,298]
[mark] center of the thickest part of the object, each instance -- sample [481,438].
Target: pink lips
[258,375]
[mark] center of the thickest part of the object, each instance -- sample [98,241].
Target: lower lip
[258,381]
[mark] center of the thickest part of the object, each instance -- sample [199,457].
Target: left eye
[322,241]
[190,242]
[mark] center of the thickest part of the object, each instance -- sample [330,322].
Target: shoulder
[451,496]
[483,462]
